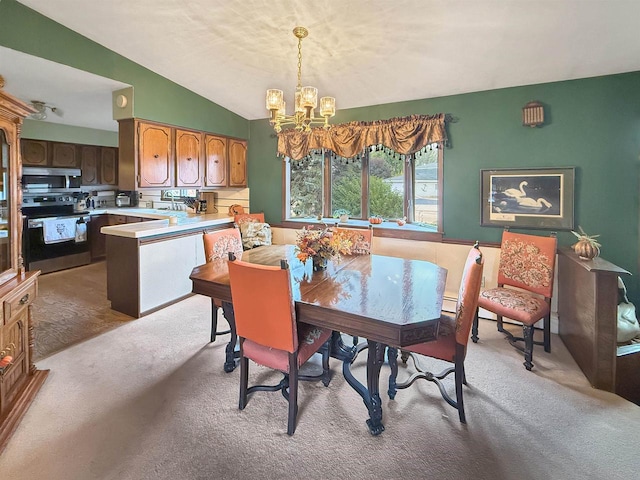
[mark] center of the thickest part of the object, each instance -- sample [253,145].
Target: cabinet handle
[24,299]
[188,159]
[156,156]
[215,161]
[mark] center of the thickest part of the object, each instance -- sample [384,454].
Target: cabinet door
[34,152]
[89,165]
[108,165]
[64,155]
[98,239]
[155,155]
[215,161]
[188,164]
[237,163]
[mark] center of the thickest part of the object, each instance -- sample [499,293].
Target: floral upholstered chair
[360,238]
[218,244]
[452,340]
[255,232]
[269,333]
[525,287]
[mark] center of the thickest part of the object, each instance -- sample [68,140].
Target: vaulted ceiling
[363,52]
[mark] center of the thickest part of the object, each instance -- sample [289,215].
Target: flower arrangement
[321,244]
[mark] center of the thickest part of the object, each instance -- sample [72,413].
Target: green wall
[156,98]
[591,124]
[68,133]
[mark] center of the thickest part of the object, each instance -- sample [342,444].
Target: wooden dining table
[390,301]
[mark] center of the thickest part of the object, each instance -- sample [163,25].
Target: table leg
[371,393]
[341,351]
[230,358]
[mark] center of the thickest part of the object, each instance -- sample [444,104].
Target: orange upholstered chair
[218,244]
[452,340]
[269,333]
[361,239]
[525,287]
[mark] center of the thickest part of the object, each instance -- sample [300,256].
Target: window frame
[387,229]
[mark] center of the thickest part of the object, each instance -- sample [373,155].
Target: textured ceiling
[363,52]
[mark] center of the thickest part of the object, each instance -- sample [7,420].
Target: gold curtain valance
[404,135]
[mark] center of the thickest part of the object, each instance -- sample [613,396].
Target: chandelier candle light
[306,101]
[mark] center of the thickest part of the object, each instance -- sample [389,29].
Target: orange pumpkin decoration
[587,247]
[375,220]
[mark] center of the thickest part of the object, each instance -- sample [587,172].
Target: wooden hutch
[588,322]
[19,378]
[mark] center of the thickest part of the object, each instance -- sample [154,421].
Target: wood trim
[20,406]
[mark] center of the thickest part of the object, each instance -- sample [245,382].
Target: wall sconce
[532,114]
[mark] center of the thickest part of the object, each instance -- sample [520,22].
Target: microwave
[51,180]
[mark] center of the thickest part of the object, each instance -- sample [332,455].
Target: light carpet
[150,400]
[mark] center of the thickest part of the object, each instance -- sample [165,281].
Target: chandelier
[306,101]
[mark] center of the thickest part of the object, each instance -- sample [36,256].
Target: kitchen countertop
[162,223]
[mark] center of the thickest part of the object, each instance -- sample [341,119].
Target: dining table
[389,301]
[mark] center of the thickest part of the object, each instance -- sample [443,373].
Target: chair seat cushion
[444,347]
[310,339]
[524,307]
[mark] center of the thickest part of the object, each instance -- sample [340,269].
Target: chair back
[263,305]
[528,262]
[468,294]
[248,217]
[218,243]
[360,239]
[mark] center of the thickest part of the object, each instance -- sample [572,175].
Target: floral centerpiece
[321,244]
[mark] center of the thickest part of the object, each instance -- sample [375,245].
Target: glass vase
[319,263]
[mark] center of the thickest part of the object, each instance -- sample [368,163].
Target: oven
[55,235]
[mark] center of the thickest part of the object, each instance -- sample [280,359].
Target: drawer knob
[24,299]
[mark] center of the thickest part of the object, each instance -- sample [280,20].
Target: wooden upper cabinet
[237,163]
[34,153]
[64,155]
[89,165]
[188,163]
[155,155]
[215,161]
[108,166]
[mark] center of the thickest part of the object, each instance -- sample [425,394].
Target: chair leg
[214,320]
[244,379]
[293,393]
[527,331]
[474,327]
[392,358]
[355,341]
[459,379]
[326,372]
[547,333]
[499,320]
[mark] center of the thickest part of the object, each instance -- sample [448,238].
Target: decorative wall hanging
[533,114]
[540,198]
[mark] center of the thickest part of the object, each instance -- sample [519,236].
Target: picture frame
[536,198]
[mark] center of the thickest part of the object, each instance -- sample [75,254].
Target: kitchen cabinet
[108,166]
[19,378]
[215,161]
[35,153]
[64,155]
[237,163]
[188,159]
[89,165]
[153,155]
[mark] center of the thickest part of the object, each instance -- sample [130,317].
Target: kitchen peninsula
[149,263]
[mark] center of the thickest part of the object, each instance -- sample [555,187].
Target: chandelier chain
[299,62]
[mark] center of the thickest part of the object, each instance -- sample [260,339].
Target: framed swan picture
[539,198]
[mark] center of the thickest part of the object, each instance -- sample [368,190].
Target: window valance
[404,135]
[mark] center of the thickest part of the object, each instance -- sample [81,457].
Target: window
[376,182]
